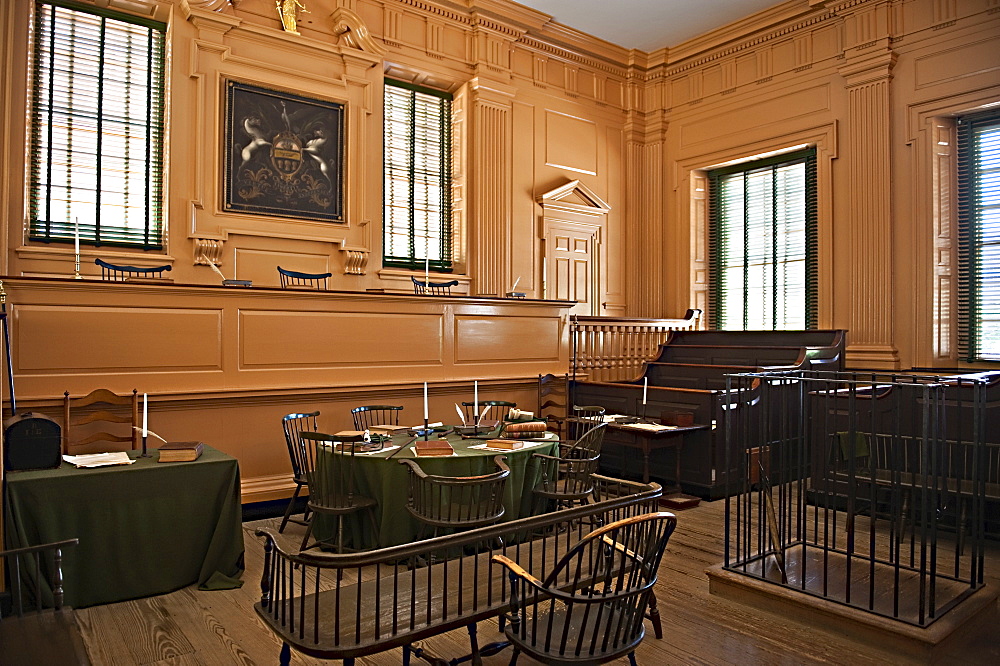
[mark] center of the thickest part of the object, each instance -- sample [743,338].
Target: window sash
[417,180]
[762,243]
[979,236]
[97,128]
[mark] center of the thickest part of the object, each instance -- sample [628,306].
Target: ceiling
[647,25]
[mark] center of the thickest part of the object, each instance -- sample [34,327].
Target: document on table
[99,459]
[649,426]
[528,443]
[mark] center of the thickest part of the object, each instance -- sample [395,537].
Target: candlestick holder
[427,429]
[76,269]
[144,454]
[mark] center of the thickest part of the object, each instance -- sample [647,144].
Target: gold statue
[288,10]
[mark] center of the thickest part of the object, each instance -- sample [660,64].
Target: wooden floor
[215,628]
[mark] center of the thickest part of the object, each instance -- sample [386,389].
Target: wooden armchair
[39,629]
[120,273]
[331,478]
[79,433]
[499,409]
[456,502]
[368,416]
[293,425]
[567,479]
[590,608]
[297,280]
[425,288]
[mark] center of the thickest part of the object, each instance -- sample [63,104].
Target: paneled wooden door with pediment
[572,264]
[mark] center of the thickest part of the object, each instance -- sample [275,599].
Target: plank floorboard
[195,628]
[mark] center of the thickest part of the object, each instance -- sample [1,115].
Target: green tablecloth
[146,528]
[386,481]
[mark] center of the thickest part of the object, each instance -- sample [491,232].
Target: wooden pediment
[574,197]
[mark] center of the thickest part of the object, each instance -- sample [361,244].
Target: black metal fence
[870,490]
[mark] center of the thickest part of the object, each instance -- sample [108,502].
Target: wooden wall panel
[506,339]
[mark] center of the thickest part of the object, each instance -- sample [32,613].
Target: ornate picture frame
[284,154]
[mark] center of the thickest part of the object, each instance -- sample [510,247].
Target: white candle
[645,385]
[475,398]
[76,244]
[427,270]
[145,416]
[425,401]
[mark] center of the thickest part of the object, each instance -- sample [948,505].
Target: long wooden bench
[344,606]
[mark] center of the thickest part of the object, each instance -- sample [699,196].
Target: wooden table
[646,439]
[144,529]
[382,478]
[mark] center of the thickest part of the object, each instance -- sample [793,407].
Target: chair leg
[285,656]
[406,654]
[513,657]
[631,658]
[288,509]
[654,616]
[477,659]
[305,537]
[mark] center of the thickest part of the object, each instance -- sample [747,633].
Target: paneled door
[571,264]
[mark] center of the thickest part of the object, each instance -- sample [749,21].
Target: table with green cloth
[385,480]
[146,528]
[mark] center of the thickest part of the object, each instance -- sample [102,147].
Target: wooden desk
[385,480]
[144,529]
[647,439]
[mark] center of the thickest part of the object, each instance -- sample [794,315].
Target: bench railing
[349,605]
[609,349]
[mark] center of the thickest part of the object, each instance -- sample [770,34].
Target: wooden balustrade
[609,349]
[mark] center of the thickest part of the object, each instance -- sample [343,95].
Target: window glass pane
[96,128]
[417,185]
[761,265]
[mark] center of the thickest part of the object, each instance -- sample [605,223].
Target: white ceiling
[647,25]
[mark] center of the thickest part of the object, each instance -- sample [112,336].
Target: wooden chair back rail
[426,288]
[460,502]
[100,396]
[117,272]
[298,280]
[350,605]
[367,416]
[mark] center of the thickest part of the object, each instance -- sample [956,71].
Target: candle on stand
[645,385]
[76,247]
[427,270]
[425,401]
[475,398]
[145,416]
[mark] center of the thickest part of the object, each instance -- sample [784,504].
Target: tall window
[762,238]
[96,127]
[979,236]
[417,208]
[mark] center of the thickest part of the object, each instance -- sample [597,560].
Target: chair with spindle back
[299,280]
[427,288]
[39,629]
[368,416]
[456,503]
[293,425]
[106,400]
[499,409]
[328,465]
[567,479]
[120,273]
[590,607]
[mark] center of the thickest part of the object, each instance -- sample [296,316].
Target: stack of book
[433,447]
[525,430]
[181,451]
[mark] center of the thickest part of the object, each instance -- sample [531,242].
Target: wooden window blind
[417,187]
[979,236]
[96,155]
[762,243]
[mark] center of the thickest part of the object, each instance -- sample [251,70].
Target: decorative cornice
[556,199]
[210,5]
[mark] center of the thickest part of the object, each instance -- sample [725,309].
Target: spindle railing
[609,349]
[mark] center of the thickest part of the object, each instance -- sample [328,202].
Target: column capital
[869,68]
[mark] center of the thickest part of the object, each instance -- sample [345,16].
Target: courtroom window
[979,236]
[96,127]
[417,180]
[762,241]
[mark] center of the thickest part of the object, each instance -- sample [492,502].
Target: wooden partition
[223,365]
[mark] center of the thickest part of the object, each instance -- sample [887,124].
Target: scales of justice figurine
[288,11]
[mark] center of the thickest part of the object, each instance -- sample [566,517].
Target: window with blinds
[762,240]
[96,155]
[417,188]
[979,236]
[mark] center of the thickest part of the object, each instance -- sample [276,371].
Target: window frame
[42,225]
[716,244]
[444,243]
[970,233]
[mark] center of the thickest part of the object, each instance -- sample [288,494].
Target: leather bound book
[433,447]
[181,451]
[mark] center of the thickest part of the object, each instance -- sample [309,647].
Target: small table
[146,528]
[382,478]
[647,437]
